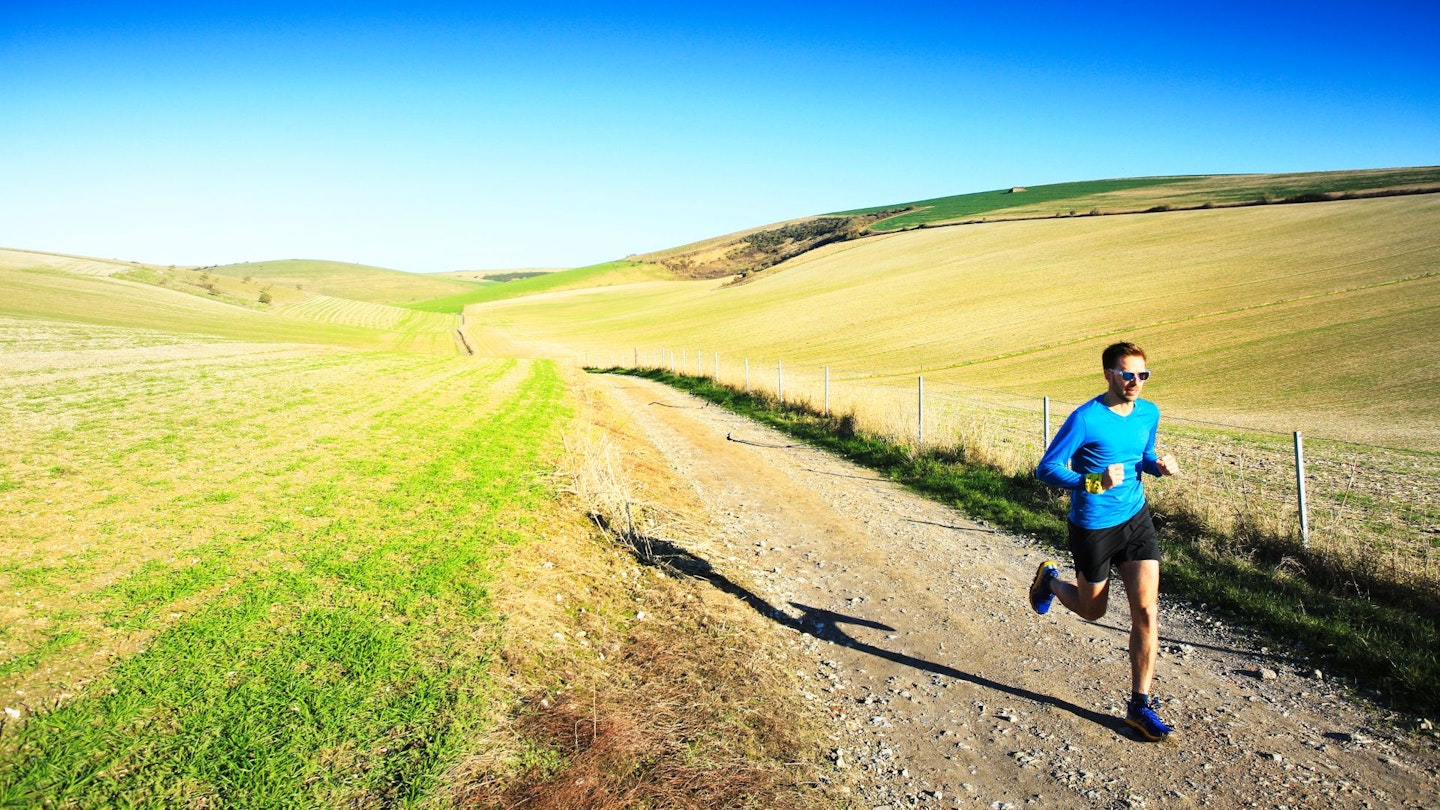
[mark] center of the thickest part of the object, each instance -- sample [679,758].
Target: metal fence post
[920,442]
[1045,439]
[747,375]
[1300,489]
[827,390]
[780,379]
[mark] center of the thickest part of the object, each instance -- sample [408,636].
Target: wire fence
[1374,508]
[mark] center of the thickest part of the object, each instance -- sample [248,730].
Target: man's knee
[1146,616]
[1092,610]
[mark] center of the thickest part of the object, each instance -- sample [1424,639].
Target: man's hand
[1168,465]
[1114,475]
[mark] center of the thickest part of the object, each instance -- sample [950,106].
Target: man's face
[1122,390]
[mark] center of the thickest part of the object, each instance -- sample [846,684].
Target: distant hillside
[747,252]
[1146,194]
[1253,313]
[607,274]
[513,274]
[81,265]
[357,282]
[744,253]
[174,306]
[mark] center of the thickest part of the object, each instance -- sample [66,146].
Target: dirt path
[948,691]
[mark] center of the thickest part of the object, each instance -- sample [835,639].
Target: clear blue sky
[432,136]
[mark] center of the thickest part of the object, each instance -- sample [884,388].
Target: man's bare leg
[1088,600]
[1142,586]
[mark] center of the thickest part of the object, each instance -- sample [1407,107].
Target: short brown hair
[1115,351]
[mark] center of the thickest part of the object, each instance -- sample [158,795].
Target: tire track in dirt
[947,691]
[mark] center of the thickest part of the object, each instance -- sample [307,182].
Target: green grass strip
[963,206]
[355,671]
[1385,639]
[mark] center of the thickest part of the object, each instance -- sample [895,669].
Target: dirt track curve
[947,691]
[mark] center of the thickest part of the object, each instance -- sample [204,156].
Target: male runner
[1098,455]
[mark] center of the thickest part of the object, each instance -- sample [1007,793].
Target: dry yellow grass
[1322,318]
[80,265]
[1272,317]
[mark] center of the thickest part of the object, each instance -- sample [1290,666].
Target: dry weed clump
[636,685]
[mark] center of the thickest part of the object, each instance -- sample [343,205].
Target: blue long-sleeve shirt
[1092,438]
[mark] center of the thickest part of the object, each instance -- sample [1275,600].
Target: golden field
[1320,317]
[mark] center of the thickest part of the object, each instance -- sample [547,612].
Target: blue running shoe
[1143,719]
[1040,593]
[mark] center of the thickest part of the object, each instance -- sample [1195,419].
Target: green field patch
[342,655]
[607,274]
[455,304]
[977,204]
[1155,194]
[326,309]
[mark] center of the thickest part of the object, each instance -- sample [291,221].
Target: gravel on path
[946,690]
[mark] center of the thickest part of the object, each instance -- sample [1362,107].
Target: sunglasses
[1129,376]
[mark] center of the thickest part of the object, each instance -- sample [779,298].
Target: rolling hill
[358,282]
[754,250]
[40,289]
[1153,194]
[1278,316]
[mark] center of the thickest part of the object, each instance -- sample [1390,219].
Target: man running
[1098,455]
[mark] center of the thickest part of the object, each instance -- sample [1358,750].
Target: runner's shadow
[826,625]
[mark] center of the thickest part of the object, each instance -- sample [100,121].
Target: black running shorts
[1096,549]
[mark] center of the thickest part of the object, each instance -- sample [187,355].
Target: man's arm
[1054,466]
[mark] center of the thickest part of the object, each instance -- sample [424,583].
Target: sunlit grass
[256,576]
[1268,317]
[48,296]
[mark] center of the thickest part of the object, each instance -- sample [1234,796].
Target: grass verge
[634,684]
[1347,623]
